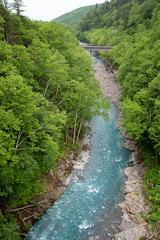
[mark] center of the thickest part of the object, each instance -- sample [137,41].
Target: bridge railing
[96,48]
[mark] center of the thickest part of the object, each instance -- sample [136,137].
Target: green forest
[133,28]
[48,91]
[72,18]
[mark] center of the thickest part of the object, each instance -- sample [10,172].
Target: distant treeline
[72,18]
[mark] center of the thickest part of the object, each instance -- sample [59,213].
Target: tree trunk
[79,130]
[47,85]
[74,133]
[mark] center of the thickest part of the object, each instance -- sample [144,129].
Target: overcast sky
[47,10]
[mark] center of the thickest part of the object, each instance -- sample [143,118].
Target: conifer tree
[17,6]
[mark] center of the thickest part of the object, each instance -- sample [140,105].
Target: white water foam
[118,160]
[85,225]
[92,189]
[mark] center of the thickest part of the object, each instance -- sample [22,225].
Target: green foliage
[8,229]
[72,18]
[141,238]
[152,187]
[27,226]
[134,120]
[47,92]
[29,138]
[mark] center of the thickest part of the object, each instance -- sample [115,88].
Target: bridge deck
[96,48]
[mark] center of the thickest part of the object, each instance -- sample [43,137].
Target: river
[88,209]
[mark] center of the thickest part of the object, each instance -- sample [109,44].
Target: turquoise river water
[88,209]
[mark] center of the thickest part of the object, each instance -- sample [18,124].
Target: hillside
[72,18]
[133,28]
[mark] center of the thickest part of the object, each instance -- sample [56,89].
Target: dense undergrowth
[133,28]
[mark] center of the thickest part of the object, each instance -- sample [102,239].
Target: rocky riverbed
[132,226]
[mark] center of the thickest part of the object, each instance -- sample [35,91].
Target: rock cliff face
[133,226]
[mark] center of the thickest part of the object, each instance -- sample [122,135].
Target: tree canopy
[47,92]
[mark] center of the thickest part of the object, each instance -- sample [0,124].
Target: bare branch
[17,145]
[28,206]
[19,135]
[18,209]
[24,219]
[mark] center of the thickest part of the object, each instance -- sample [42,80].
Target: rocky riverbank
[133,226]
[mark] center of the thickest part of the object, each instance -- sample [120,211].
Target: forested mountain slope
[133,28]
[47,92]
[72,18]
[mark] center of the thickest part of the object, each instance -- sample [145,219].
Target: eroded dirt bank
[133,226]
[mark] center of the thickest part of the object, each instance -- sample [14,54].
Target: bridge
[96,48]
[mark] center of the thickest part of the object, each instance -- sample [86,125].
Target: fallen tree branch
[24,219]
[28,206]
[18,209]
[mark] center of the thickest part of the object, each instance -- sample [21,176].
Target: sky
[47,10]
